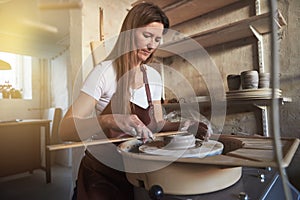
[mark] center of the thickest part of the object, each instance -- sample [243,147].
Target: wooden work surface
[248,151]
[256,151]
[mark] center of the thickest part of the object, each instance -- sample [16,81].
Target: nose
[151,45]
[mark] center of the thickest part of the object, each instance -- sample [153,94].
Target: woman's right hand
[200,129]
[128,124]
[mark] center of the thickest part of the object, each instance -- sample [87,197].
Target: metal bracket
[260,47]
[264,116]
[257,7]
[259,37]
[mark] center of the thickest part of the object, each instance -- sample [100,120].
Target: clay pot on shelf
[264,80]
[249,79]
[233,82]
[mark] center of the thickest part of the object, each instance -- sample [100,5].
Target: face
[147,39]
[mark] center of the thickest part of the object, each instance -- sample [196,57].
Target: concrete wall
[234,57]
[290,80]
[229,58]
[290,65]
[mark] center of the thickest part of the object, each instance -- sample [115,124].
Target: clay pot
[233,82]
[249,79]
[264,80]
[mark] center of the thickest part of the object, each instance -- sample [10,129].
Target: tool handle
[68,145]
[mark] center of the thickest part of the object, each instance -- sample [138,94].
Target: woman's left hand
[115,124]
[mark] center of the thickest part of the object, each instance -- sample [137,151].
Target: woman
[119,79]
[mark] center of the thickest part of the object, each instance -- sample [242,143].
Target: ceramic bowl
[182,141]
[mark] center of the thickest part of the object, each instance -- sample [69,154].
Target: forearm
[77,129]
[67,130]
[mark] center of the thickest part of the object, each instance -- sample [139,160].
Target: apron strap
[145,78]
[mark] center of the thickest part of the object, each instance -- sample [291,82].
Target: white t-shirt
[101,84]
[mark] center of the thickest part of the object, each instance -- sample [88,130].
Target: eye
[158,39]
[147,35]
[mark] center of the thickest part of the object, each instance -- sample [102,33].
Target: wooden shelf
[188,9]
[227,33]
[229,103]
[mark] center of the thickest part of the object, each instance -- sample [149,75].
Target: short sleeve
[101,84]
[94,83]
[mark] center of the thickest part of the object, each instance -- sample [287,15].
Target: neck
[138,64]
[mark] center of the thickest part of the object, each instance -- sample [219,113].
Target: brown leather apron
[98,181]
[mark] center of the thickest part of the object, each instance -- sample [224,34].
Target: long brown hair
[124,52]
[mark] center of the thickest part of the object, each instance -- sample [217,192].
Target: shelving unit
[255,26]
[227,33]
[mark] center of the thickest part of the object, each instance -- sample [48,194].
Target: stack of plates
[246,94]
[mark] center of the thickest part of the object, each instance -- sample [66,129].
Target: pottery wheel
[201,149]
[197,178]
